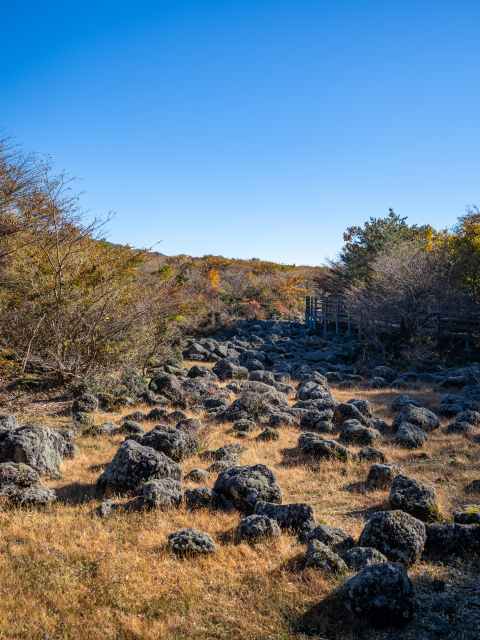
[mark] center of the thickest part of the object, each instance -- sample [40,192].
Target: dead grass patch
[68,574]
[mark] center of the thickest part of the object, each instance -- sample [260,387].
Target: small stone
[320,556]
[258,527]
[359,557]
[469,514]
[372,455]
[318,446]
[381,475]
[244,426]
[197,475]
[200,497]
[106,508]
[136,416]
[230,460]
[268,435]
[334,537]
[130,426]
[191,542]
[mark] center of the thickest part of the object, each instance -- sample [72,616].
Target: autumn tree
[463,246]
[362,244]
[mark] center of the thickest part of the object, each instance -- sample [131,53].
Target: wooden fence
[328,314]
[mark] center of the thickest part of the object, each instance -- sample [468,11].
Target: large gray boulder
[244,486]
[191,542]
[8,422]
[320,556]
[226,370]
[245,426]
[313,391]
[458,539]
[353,432]
[382,593]
[402,400]
[133,465]
[410,436]
[414,497]
[157,414]
[130,426]
[451,405]
[281,420]
[461,428]
[174,443]
[359,557]
[268,434]
[136,416]
[311,418]
[85,404]
[346,411]
[396,534]
[165,384]
[229,460]
[22,485]
[472,417]
[41,448]
[197,475]
[201,498]
[299,517]
[363,406]
[418,416]
[163,493]
[316,445]
[369,454]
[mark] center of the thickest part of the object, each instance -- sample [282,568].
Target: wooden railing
[327,310]
[327,313]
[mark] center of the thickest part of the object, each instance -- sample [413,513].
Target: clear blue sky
[250,128]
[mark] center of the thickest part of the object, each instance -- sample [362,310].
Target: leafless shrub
[409,287]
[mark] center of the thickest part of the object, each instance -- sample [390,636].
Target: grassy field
[68,574]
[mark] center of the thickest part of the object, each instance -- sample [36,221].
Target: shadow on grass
[357,487]
[77,493]
[98,468]
[330,619]
[294,457]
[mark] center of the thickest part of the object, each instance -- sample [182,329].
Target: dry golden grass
[68,574]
